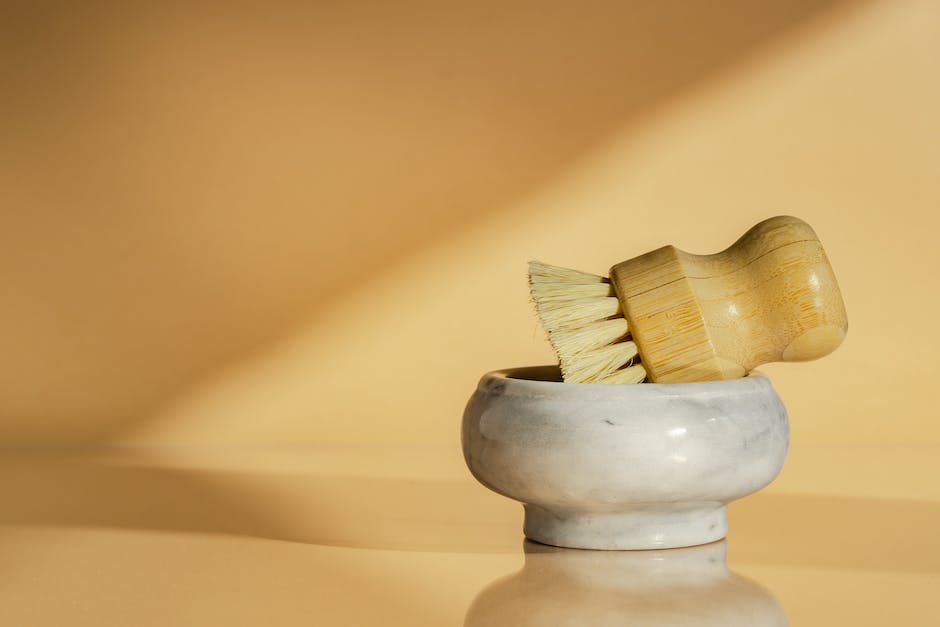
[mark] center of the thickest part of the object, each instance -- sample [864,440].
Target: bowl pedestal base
[653,526]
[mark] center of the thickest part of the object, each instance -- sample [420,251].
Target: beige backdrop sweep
[290,224]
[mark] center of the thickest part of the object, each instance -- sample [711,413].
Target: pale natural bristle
[576,313]
[585,325]
[542,272]
[630,374]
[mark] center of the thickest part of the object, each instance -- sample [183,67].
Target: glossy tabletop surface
[398,536]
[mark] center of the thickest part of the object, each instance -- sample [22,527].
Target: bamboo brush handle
[771,296]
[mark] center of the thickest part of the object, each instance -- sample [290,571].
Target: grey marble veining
[623,466]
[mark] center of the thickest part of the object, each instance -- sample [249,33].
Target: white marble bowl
[623,466]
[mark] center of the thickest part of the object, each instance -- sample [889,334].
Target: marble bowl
[623,466]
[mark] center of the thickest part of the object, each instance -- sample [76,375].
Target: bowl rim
[514,384]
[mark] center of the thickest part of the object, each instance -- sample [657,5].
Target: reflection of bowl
[623,466]
[690,586]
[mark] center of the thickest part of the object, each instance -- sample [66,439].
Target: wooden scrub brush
[670,316]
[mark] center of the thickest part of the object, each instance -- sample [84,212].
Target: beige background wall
[286,224]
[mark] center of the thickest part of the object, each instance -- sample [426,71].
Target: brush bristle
[585,325]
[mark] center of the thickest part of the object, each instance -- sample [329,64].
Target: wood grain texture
[771,296]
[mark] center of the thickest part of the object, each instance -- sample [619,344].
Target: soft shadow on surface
[678,587]
[349,511]
[85,576]
[430,515]
[183,186]
[835,532]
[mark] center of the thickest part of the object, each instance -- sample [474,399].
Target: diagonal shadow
[187,186]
